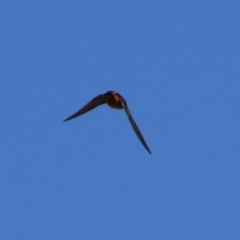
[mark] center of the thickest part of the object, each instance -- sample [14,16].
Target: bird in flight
[114,100]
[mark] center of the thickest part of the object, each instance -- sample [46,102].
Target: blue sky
[176,64]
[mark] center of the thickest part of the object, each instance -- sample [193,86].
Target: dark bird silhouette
[114,100]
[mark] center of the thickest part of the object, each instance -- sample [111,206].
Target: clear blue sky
[177,63]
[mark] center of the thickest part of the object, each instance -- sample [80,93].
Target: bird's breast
[113,101]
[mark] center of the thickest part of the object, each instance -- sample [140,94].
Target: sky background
[177,63]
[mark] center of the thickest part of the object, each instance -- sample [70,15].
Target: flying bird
[113,100]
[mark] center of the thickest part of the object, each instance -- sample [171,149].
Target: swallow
[113,100]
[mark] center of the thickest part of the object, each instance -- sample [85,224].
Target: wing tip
[149,151]
[66,119]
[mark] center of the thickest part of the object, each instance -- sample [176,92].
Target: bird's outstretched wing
[99,100]
[134,125]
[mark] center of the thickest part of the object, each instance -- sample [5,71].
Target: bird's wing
[99,100]
[134,125]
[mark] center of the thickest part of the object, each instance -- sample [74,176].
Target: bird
[113,100]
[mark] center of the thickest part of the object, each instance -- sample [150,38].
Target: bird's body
[113,100]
